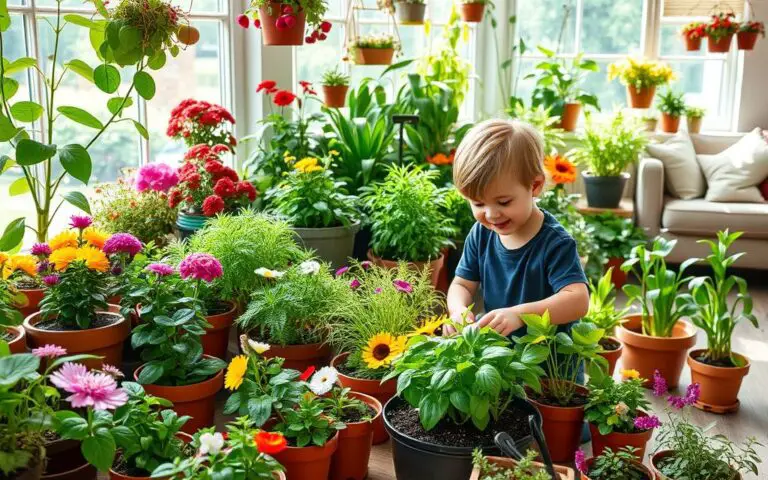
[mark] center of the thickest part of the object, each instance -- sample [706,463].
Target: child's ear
[538,185]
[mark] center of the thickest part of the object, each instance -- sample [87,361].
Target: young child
[523,258]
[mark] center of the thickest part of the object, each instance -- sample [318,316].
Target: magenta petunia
[42,266]
[366,264]
[88,389]
[659,384]
[342,271]
[51,280]
[647,423]
[580,462]
[161,269]
[122,243]
[49,351]
[159,177]
[200,266]
[402,286]
[80,222]
[692,393]
[41,249]
[354,284]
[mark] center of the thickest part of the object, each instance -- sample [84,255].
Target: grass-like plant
[335,78]
[672,103]
[602,305]
[607,149]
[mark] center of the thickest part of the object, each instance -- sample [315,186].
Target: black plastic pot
[362,243]
[452,259]
[604,192]
[418,460]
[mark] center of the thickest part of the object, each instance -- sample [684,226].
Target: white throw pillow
[733,175]
[682,174]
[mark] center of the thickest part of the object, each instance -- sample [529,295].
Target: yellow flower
[62,257]
[382,348]
[94,258]
[427,27]
[629,374]
[65,239]
[235,372]
[95,237]
[429,326]
[4,257]
[307,165]
[25,263]
[334,153]
[465,33]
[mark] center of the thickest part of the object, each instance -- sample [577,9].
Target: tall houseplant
[604,314]
[641,78]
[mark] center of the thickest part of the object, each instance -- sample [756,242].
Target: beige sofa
[690,220]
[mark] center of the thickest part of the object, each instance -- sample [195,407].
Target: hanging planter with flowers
[693,33]
[371,49]
[720,31]
[748,33]
[288,22]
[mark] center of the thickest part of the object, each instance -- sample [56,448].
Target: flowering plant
[618,406]
[245,452]
[208,186]
[641,73]
[721,25]
[610,465]
[383,40]
[560,169]
[314,10]
[9,316]
[199,122]
[524,468]
[20,270]
[752,27]
[694,30]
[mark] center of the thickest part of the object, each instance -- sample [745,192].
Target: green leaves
[488,380]
[5,17]
[19,186]
[76,161]
[7,130]
[26,111]
[9,87]
[116,105]
[15,367]
[31,152]
[141,129]
[78,200]
[81,116]
[145,85]
[81,21]
[19,65]
[431,409]
[13,235]
[81,68]
[99,449]
[151,372]
[106,77]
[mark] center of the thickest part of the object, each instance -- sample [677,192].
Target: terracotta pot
[271,35]
[350,462]
[197,400]
[646,354]
[719,385]
[472,12]
[216,338]
[720,46]
[380,391]
[308,463]
[638,464]
[746,40]
[106,342]
[410,13]
[694,124]
[666,453]
[299,357]
[113,475]
[564,473]
[374,56]
[612,355]
[650,125]
[570,116]
[618,440]
[618,277]
[642,98]
[31,305]
[693,44]
[669,124]
[65,461]
[335,96]
[562,428]
[435,266]
[19,342]
[83,472]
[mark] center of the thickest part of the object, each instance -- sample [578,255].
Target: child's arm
[460,296]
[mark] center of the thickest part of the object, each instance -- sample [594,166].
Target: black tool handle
[507,446]
[539,437]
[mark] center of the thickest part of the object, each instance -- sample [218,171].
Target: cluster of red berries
[320,33]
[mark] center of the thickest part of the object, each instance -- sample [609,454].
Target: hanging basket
[410,13]
[472,12]
[722,45]
[374,56]
[746,40]
[693,44]
[274,36]
[640,98]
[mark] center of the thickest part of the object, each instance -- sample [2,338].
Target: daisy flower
[322,382]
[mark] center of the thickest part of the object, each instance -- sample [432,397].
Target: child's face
[506,204]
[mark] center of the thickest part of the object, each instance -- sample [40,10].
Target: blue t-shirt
[533,272]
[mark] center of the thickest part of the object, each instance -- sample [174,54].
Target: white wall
[753,108]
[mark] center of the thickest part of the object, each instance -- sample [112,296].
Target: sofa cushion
[701,217]
[682,174]
[733,175]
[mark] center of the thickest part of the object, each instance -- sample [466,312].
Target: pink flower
[68,375]
[122,243]
[676,402]
[342,271]
[200,266]
[659,384]
[88,389]
[41,249]
[647,423]
[159,177]
[366,265]
[692,393]
[243,20]
[51,280]
[403,286]
[580,462]
[377,290]
[112,371]
[354,284]
[160,269]
[49,351]
[81,222]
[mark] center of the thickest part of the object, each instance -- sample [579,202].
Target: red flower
[175,198]
[220,148]
[284,98]
[243,20]
[266,85]
[245,188]
[229,173]
[307,373]
[198,151]
[209,118]
[187,169]
[224,188]
[270,443]
[214,168]
[212,205]
[193,180]
[232,141]
[325,27]
[305,84]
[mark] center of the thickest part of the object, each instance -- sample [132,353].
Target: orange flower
[269,442]
[560,169]
[440,159]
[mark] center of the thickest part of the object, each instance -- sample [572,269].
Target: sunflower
[381,349]
[235,372]
[560,169]
[62,257]
[629,374]
[429,326]
[65,239]
[307,165]
[95,237]
[24,263]
[94,258]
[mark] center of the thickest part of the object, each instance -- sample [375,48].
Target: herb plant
[335,78]
[620,465]
[558,83]
[458,211]
[602,305]
[615,236]
[340,405]
[607,149]
[695,112]
[523,470]
[306,425]
[614,405]
[671,103]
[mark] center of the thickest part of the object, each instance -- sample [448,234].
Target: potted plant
[74,312]
[335,85]
[615,237]
[694,116]
[12,336]
[607,150]
[559,87]
[289,22]
[454,393]
[693,33]
[672,107]
[410,12]
[291,311]
[563,207]
[650,121]
[168,338]
[617,412]
[318,208]
[717,368]
[720,31]
[372,322]
[641,78]
[198,122]
[604,315]
[657,338]
[561,400]
[487,468]
[471,11]
[404,213]
[374,49]
[207,188]
[244,450]
[613,464]
[457,209]
[746,37]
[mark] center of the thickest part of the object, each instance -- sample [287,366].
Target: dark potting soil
[356,416]
[50,436]
[726,363]
[609,344]
[578,399]
[26,284]
[345,369]
[55,325]
[121,467]
[217,308]
[406,420]
[643,475]
[7,335]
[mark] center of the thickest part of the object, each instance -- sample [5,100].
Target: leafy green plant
[405,216]
[335,78]
[602,305]
[381,40]
[607,149]
[671,103]
[523,470]
[473,376]
[659,292]
[564,355]
[695,112]
[543,121]
[613,406]
[615,236]
[713,314]
[445,64]
[562,206]
[458,211]
[641,73]
[340,405]
[619,465]
[306,425]
[558,83]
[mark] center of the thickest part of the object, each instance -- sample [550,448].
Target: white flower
[258,347]
[323,380]
[211,444]
[267,273]
[310,267]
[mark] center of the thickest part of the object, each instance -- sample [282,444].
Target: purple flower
[122,243]
[117,269]
[354,284]
[676,402]
[41,249]
[161,269]
[659,384]
[51,280]
[692,393]
[377,290]
[42,266]
[200,266]
[49,351]
[402,286]
[159,177]
[647,423]
[342,271]
[580,462]
[80,222]
[366,264]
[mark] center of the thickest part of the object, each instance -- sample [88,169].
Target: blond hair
[494,147]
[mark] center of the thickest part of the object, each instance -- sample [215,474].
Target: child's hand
[503,320]
[458,317]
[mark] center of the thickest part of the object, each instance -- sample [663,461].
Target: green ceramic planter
[188,224]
